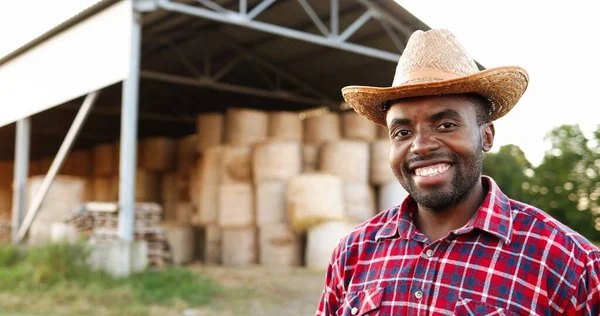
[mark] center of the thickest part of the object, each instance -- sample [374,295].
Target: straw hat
[435,63]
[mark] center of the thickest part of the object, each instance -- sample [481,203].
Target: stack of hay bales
[250,186]
[345,159]
[241,185]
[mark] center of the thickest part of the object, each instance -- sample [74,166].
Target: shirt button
[429,253]
[354,311]
[419,294]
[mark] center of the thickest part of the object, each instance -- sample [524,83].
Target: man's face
[436,148]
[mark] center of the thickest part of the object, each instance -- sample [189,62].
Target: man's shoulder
[529,220]
[367,231]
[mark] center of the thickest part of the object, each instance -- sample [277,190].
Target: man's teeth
[432,170]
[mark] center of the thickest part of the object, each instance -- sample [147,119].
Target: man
[457,245]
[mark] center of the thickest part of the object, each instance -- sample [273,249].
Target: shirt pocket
[477,308]
[366,302]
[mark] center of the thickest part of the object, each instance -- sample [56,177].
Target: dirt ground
[264,291]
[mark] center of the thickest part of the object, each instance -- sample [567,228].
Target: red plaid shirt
[509,259]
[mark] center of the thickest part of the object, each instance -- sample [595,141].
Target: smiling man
[456,245]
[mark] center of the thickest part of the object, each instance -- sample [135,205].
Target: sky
[557,42]
[553,40]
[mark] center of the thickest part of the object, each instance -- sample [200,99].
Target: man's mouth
[433,170]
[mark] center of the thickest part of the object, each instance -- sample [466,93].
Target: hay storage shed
[122,71]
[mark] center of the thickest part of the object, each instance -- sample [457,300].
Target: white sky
[557,42]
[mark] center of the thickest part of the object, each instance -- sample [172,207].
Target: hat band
[424,75]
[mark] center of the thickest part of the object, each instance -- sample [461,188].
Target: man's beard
[463,182]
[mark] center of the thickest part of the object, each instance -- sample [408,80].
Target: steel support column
[64,149]
[129,126]
[23,139]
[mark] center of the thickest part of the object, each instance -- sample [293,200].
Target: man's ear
[487,138]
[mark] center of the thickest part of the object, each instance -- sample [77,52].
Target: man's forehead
[430,104]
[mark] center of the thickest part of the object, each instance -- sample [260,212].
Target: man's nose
[424,143]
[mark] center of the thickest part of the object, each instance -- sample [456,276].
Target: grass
[46,278]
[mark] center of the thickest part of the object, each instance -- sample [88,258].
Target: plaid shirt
[509,259]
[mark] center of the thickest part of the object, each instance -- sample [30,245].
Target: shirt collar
[493,216]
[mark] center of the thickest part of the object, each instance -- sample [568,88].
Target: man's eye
[447,125]
[402,133]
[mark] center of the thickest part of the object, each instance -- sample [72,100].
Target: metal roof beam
[242,20]
[209,83]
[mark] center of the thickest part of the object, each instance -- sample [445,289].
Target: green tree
[566,183]
[510,169]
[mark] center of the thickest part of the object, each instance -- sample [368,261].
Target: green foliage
[509,169]
[9,255]
[53,262]
[161,287]
[566,184]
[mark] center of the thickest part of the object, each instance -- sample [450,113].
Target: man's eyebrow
[443,114]
[399,121]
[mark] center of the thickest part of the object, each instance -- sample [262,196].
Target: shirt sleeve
[588,293]
[333,291]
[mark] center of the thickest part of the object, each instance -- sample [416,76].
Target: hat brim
[502,86]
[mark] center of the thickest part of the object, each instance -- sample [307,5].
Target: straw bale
[276,160]
[346,159]
[313,198]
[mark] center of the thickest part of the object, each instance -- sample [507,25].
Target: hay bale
[181,241]
[246,126]
[105,158]
[346,159]
[359,201]
[105,188]
[236,205]
[79,163]
[158,154]
[65,194]
[89,189]
[391,194]
[313,198]
[356,127]
[34,168]
[271,202]
[45,164]
[147,186]
[193,184]
[236,164]
[381,172]
[212,244]
[276,161]
[310,158]
[238,246]
[169,188]
[184,212]
[5,198]
[279,245]
[209,131]
[322,239]
[321,129]
[285,126]
[186,155]
[6,183]
[209,172]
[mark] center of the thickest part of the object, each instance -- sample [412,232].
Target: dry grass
[206,290]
